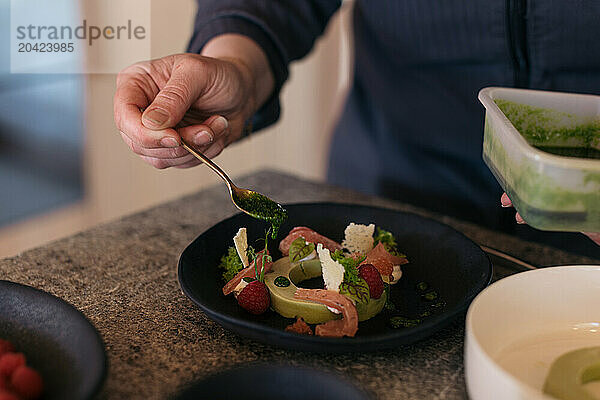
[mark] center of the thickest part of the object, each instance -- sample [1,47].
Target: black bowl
[451,265]
[57,340]
[273,382]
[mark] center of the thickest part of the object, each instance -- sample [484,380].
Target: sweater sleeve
[285,29]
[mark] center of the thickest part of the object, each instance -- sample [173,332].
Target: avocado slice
[284,303]
[571,371]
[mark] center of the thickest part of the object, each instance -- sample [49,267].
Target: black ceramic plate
[285,383]
[57,340]
[450,264]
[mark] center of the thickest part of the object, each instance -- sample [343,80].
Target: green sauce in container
[549,193]
[578,152]
[553,131]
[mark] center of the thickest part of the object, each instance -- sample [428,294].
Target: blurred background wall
[109,181]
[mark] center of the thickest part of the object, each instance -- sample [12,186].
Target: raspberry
[6,347]
[254,298]
[10,361]
[27,383]
[5,395]
[373,278]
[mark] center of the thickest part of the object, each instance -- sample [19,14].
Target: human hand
[505,202]
[203,100]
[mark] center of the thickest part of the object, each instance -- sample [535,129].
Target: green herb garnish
[251,253]
[265,258]
[300,249]
[231,263]
[357,291]
[388,240]
[350,265]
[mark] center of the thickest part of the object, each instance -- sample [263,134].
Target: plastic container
[551,192]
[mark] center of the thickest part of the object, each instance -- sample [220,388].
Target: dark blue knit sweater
[412,127]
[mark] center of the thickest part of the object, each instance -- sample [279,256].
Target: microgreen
[300,249]
[350,265]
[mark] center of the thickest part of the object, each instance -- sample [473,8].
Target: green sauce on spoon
[261,207]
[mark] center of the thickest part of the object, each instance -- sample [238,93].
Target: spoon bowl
[255,204]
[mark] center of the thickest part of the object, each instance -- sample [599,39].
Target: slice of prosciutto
[382,260]
[347,326]
[247,272]
[299,327]
[310,236]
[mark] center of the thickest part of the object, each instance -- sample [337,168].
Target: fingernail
[505,205]
[156,117]
[219,124]
[520,222]
[202,138]
[169,142]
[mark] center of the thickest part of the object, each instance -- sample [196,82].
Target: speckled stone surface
[123,277]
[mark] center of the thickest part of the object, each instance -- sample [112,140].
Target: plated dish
[440,257]
[357,274]
[55,339]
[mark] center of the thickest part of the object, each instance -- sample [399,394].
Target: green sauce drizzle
[403,322]
[389,304]
[439,304]
[427,295]
[281,281]
[430,296]
[261,207]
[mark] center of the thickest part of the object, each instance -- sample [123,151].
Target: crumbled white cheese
[396,274]
[240,286]
[241,245]
[333,271]
[358,238]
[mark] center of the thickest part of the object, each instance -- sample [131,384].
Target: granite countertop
[123,277]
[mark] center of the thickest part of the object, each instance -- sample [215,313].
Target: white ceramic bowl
[517,326]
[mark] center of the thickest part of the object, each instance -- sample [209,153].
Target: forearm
[284,31]
[251,60]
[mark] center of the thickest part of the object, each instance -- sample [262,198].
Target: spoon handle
[507,257]
[209,163]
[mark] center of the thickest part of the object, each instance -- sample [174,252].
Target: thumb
[174,99]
